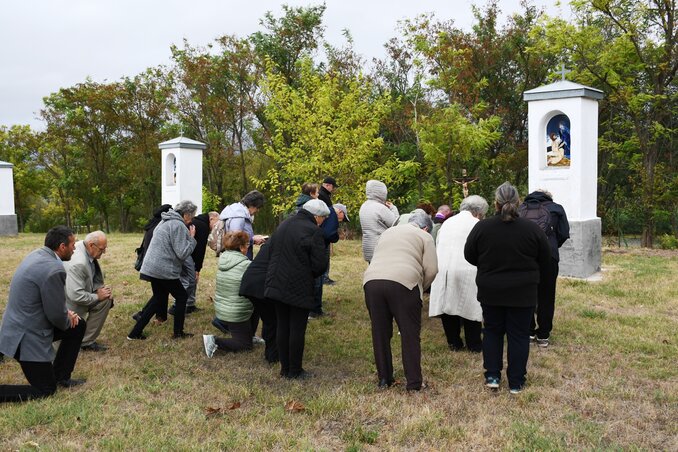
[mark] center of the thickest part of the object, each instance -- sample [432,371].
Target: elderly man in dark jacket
[541,328]
[297,257]
[36,315]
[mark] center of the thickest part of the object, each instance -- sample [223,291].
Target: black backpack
[537,212]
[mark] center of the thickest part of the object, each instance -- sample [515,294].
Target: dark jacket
[148,232]
[202,231]
[325,196]
[510,257]
[301,200]
[330,228]
[254,280]
[297,257]
[561,227]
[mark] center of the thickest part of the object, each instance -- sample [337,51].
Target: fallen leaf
[234,405]
[211,411]
[294,406]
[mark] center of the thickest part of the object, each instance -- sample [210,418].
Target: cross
[563,71]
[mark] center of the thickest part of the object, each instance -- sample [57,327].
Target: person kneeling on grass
[231,308]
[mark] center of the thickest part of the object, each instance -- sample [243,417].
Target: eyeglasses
[103,250]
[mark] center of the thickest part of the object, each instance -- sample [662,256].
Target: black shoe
[316,315]
[303,375]
[170,311]
[94,347]
[71,382]
[182,335]
[192,309]
[456,347]
[141,337]
[136,316]
[329,282]
[385,383]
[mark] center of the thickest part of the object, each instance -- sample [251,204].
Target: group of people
[485,274]
[496,277]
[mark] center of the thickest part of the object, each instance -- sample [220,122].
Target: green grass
[608,381]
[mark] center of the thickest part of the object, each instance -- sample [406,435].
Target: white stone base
[8,225]
[581,255]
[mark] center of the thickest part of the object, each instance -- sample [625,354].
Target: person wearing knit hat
[297,257]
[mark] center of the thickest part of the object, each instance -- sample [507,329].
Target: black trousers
[162,288]
[43,376]
[452,326]
[515,324]
[546,303]
[265,309]
[241,337]
[385,301]
[291,336]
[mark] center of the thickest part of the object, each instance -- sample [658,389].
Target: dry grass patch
[608,381]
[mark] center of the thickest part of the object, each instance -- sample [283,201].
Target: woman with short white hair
[297,257]
[454,292]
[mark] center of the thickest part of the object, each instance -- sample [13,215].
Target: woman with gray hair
[402,267]
[171,244]
[454,291]
[510,254]
[240,215]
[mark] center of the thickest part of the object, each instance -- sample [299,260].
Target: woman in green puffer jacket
[230,307]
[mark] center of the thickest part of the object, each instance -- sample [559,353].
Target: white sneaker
[257,340]
[542,343]
[210,344]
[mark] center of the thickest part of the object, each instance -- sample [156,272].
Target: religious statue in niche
[558,141]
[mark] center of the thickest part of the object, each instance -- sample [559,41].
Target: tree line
[282,106]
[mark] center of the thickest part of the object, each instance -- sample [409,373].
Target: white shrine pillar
[182,171]
[8,224]
[563,159]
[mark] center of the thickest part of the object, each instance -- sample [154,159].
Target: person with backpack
[550,216]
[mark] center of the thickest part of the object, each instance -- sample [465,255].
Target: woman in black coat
[510,253]
[297,257]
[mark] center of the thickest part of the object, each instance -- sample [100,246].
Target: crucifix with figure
[464,180]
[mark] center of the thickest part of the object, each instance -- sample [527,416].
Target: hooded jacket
[375,216]
[561,227]
[228,304]
[237,217]
[170,246]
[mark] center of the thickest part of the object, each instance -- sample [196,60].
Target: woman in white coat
[454,291]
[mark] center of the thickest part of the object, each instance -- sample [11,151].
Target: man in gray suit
[36,315]
[86,294]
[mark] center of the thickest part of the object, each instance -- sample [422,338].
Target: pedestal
[8,225]
[580,256]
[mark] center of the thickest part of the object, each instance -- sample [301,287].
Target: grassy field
[608,381]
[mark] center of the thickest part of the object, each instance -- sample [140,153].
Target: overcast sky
[49,44]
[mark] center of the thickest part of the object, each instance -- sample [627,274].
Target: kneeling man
[36,315]
[86,294]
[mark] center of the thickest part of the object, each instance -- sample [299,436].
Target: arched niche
[557,139]
[170,170]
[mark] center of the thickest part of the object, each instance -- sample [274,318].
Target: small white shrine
[8,224]
[563,159]
[182,171]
